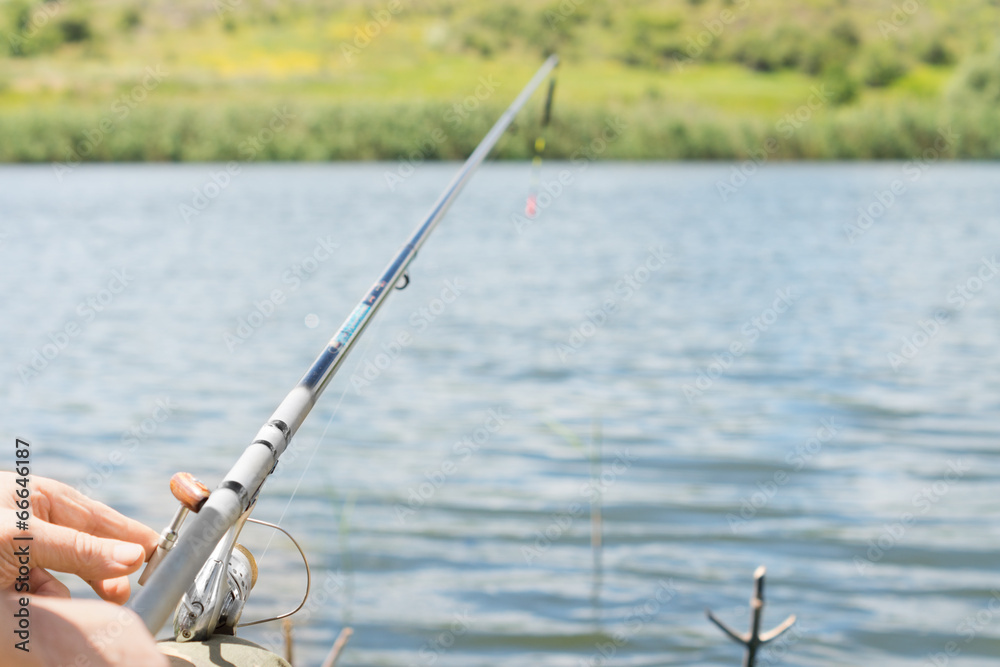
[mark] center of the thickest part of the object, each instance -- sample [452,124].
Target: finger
[62,505]
[115,590]
[91,558]
[41,582]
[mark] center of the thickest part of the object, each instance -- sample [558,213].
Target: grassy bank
[420,132]
[677,79]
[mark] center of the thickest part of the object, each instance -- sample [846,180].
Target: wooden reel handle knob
[189,491]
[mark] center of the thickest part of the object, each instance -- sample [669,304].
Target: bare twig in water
[596,470]
[338,647]
[753,639]
[286,629]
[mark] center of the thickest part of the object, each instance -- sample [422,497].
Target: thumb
[67,550]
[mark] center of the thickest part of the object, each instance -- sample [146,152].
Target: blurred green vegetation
[387,79]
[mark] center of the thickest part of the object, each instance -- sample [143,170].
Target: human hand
[79,632]
[71,533]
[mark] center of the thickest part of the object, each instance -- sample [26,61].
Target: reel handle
[191,493]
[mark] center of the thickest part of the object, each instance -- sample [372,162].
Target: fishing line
[364,355]
[530,210]
[531,205]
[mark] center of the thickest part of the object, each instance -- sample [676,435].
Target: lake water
[770,381]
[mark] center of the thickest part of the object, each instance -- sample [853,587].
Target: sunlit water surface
[769,383]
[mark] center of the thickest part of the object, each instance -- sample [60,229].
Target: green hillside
[287,80]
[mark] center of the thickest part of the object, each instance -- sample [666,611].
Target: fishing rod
[201,574]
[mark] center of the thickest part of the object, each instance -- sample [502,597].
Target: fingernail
[128,553]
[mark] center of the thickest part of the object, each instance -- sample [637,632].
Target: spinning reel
[214,602]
